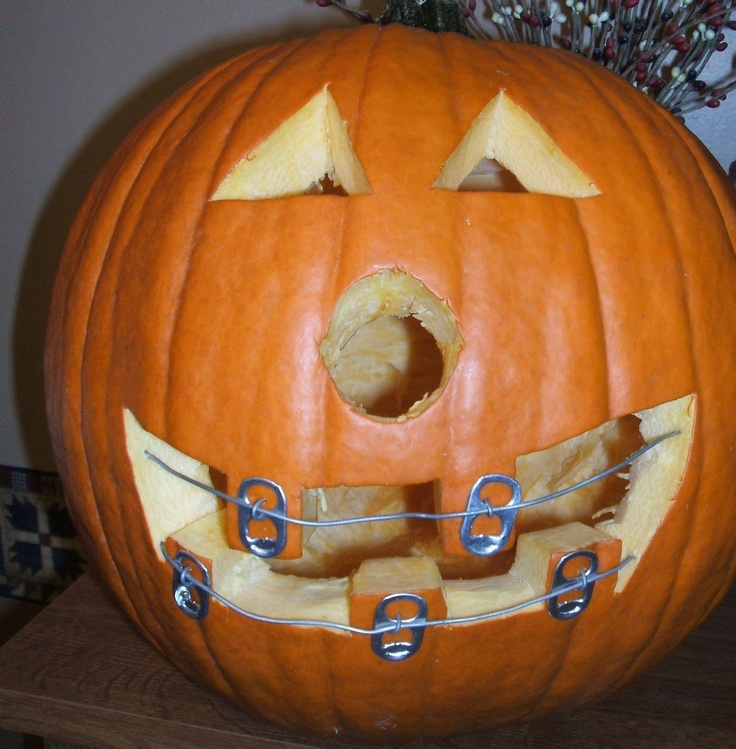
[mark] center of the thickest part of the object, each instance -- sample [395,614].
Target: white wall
[75,76]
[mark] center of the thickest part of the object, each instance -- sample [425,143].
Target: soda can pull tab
[182,587]
[569,609]
[489,544]
[398,650]
[247,512]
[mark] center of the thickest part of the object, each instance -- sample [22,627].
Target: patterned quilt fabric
[40,554]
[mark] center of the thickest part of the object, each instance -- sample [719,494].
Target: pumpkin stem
[434,15]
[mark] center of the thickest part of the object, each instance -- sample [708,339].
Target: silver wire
[574,584]
[259,512]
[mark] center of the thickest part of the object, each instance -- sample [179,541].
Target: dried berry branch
[662,47]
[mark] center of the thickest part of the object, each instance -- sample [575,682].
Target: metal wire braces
[184,584]
[477,544]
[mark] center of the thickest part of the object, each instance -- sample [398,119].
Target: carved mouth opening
[338,551]
[616,517]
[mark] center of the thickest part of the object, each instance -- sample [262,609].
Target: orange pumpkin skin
[196,315]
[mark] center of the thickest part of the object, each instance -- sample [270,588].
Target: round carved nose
[392,346]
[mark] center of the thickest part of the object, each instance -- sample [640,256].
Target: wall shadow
[61,205]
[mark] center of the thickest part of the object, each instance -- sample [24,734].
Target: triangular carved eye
[506,150]
[310,152]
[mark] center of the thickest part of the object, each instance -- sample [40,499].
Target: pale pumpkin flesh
[310,146]
[503,132]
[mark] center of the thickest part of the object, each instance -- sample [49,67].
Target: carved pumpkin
[388,272]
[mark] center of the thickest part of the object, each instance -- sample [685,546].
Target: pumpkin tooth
[537,554]
[249,582]
[376,579]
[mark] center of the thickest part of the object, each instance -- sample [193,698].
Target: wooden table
[80,673]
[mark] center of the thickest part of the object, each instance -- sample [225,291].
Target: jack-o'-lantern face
[402,384]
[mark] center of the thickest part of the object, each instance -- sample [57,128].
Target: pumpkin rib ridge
[174,327]
[687,297]
[672,607]
[632,668]
[457,306]
[551,678]
[110,178]
[247,67]
[188,99]
[531,68]
[594,276]
[449,82]
[455,63]
[549,685]
[724,190]
[332,703]
[703,165]
[220,91]
[618,109]
[449,66]
[337,279]
[108,562]
[333,276]
[455,393]
[150,157]
[245,72]
[724,196]
[646,111]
